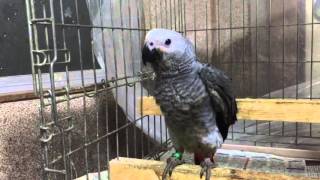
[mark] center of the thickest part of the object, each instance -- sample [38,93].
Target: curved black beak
[150,56]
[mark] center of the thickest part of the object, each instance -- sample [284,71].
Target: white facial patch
[156,38]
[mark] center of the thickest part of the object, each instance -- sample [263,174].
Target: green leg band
[177,155]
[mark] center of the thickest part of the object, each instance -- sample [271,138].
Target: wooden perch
[287,110]
[128,168]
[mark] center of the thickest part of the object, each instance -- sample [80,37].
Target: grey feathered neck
[187,64]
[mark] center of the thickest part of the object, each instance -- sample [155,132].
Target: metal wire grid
[255,76]
[46,25]
[234,60]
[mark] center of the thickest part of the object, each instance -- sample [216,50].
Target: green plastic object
[177,155]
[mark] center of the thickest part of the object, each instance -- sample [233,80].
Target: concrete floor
[20,151]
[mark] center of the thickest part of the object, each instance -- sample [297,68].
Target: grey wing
[223,101]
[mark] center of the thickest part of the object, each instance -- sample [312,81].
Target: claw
[171,164]
[206,166]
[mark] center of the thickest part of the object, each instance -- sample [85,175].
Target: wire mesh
[268,47]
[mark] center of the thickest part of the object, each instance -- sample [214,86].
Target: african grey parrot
[196,99]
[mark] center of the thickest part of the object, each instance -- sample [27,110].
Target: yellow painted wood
[288,110]
[128,168]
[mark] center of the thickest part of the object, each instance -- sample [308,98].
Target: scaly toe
[171,164]
[206,166]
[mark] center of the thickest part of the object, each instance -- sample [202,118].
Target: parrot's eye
[151,44]
[167,42]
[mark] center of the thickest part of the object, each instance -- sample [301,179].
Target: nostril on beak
[150,54]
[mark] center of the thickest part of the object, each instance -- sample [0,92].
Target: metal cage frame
[46,27]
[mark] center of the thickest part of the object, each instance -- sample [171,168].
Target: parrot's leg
[172,162]
[206,165]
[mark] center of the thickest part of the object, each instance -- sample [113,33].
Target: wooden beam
[128,168]
[284,152]
[287,110]
[19,96]
[29,95]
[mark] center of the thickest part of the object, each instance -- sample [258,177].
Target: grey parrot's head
[166,50]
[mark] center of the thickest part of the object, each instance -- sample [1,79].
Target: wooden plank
[284,152]
[12,97]
[288,110]
[29,95]
[24,83]
[128,168]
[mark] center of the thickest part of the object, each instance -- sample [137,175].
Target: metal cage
[88,75]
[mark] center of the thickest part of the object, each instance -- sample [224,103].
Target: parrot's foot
[172,162]
[206,166]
